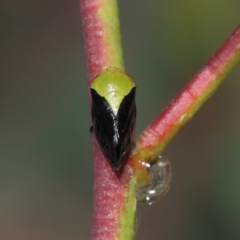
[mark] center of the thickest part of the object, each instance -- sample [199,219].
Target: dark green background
[46,176]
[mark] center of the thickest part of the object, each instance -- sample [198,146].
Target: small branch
[159,133]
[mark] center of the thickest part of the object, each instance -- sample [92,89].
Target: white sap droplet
[160,175]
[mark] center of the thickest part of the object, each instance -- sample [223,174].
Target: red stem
[93,41]
[103,50]
[101,39]
[155,138]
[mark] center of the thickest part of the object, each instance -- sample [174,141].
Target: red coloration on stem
[191,97]
[102,51]
[93,37]
[109,190]
[101,46]
[106,219]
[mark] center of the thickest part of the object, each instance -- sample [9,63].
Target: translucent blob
[160,175]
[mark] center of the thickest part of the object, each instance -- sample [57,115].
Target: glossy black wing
[114,133]
[103,120]
[126,125]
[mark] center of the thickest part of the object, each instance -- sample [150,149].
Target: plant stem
[114,205]
[102,39]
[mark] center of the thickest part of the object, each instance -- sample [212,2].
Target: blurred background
[46,176]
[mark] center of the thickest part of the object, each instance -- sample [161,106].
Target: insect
[113,114]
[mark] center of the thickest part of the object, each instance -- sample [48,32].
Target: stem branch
[159,133]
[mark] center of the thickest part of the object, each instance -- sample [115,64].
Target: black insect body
[114,132]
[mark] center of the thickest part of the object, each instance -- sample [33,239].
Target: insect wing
[114,132]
